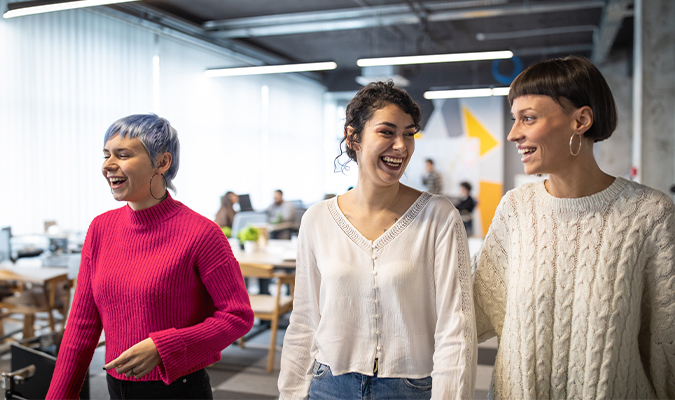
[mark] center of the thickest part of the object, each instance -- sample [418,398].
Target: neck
[147,203]
[583,178]
[372,199]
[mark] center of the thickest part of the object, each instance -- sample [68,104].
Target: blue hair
[157,136]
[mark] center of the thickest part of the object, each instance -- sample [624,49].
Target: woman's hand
[138,360]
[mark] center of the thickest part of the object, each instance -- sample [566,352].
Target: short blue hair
[157,136]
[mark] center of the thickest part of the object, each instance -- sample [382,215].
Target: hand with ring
[138,361]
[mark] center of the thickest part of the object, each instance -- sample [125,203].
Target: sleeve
[455,353]
[489,283]
[657,333]
[83,330]
[299,349]
[187,349]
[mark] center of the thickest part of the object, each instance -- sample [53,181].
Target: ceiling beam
[553,50]
[610,23]
[336,15]
[151,17]
[559,30]
[361,18]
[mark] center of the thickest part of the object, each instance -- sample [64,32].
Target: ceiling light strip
[464,93]
[270,69]
[68,5]
[436,58]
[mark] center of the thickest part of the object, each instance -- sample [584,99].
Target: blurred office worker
[225,214]
[159,278]
[280,210]
[432,180]
[577,273]
[465,206]
[383,283]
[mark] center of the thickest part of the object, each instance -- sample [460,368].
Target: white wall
[66,76]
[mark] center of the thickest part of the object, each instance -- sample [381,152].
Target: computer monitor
[245,203]
[5,248]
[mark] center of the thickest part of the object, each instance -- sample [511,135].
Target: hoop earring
[579,149]
[166,191]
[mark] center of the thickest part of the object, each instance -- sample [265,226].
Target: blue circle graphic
[517,68]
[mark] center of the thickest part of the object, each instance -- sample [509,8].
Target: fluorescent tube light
[464,93]
[270,69]
[501,91]
[436,58]
[68,5]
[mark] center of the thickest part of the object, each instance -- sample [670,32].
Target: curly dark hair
[577,80]
[372,97]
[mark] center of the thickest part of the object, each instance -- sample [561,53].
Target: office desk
[48,279]
[279,253]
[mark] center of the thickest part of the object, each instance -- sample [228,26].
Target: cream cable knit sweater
[581,293]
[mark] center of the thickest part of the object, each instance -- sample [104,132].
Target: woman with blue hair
[159,278]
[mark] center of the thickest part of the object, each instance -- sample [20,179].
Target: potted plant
[249,237]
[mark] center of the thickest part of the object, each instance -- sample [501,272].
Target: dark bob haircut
[372,97]
[577,80]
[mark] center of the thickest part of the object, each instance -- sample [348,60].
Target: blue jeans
[353,386]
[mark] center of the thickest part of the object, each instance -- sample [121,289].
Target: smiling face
[542,131]
[387,143]
[128,170]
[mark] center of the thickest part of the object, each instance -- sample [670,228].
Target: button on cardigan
[164,272]
[404,299]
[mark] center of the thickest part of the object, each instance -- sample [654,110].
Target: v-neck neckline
[366,244]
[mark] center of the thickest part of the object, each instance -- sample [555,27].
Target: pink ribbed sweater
[164,272]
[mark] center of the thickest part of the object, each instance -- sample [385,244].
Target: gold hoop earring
[579,149]
[166,190]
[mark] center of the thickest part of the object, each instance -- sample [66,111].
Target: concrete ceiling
[282,31]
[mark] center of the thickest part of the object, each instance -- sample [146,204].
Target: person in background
[281,215]
[466,206]
[576,276]
[225,215]
[280,211]
[159,278]
[432,180]
[383,282]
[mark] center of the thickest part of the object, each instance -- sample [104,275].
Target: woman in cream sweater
[576,276]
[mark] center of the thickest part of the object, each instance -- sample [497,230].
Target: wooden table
[279,253]
[48,278]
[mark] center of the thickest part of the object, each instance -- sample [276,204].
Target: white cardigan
[404,299]
[581,293]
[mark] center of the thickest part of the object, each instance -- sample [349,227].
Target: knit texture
[581,293]
[404,298]
[164,272]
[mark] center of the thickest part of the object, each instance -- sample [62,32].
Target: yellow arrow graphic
[476,130]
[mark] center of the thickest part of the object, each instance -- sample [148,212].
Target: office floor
[242,374]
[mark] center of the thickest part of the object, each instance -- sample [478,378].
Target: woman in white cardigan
[576,276]
[383,287]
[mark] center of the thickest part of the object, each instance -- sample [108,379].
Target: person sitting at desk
[225,215]
[281,214]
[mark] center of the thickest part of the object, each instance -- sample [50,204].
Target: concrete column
[654,93]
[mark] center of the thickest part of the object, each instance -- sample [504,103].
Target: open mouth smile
[526,152]
[116,182]
[392,162]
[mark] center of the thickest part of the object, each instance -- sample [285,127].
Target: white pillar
[654,93]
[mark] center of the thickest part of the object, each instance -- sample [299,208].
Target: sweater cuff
[173,353]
